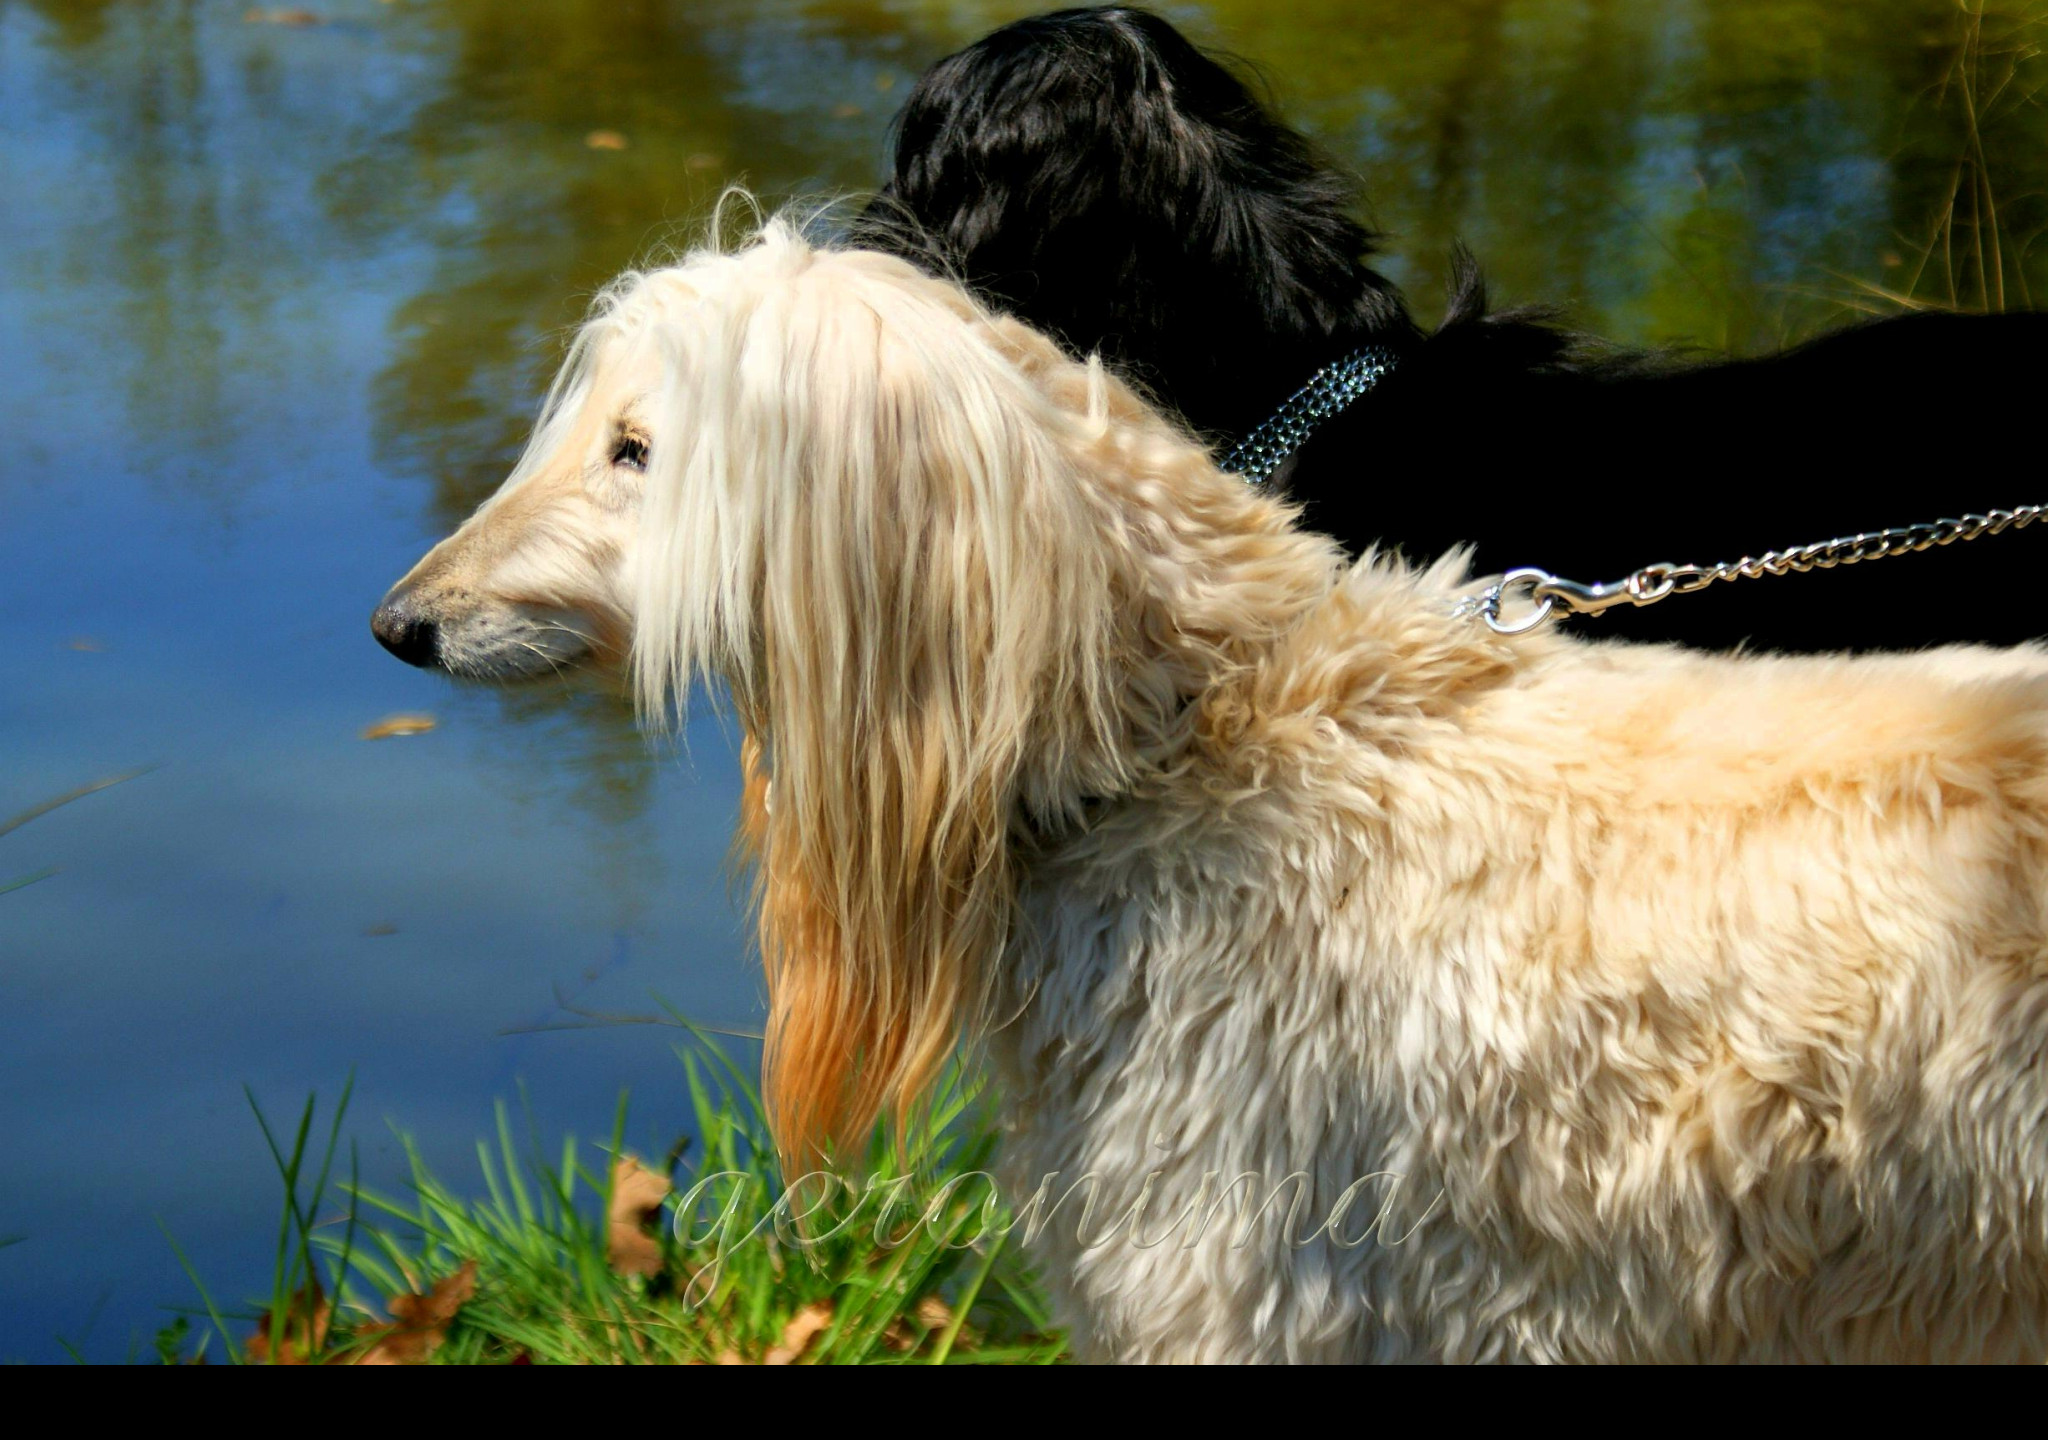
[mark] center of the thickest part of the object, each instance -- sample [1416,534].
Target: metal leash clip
[1545,593]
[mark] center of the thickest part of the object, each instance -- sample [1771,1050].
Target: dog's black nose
[406,633]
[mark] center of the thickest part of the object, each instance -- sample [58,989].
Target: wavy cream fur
[1697,1007]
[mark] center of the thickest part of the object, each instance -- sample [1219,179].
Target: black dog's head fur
[1094,173]
[1091,170]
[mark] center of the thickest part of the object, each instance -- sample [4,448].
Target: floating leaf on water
[847,111]
[84,644]
[605,140]
[377,932]
[637,1193]
[885,81]
[419,1323]
[702,160]
[287,16]
[392,725]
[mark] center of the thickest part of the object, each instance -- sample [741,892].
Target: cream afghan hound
[1587,1002]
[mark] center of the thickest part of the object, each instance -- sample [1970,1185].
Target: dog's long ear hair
[867,522]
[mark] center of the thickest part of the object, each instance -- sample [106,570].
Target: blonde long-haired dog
[1666,1006]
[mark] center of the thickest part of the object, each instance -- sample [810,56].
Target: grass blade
[36,812]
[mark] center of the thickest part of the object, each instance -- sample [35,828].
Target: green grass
[931,1281]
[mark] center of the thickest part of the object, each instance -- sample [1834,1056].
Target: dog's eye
[631,452]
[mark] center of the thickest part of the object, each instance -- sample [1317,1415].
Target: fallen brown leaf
[307,1316]
[419,1323]
[803,1327]
[392,725]
[605,140]
[931,1313]
[637,1193]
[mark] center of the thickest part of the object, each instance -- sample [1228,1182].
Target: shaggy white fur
[1608,1003]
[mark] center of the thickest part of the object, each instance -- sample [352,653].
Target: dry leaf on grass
[305,1324]
[803,1327]
[605,140]
[932,1315]
[392,725]
[419,1323]
[637,1193]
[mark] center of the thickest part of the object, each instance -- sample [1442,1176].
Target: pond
[276,301]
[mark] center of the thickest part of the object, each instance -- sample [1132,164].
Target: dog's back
[1616,1004]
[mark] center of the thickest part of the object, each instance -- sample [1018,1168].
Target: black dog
[1094,173]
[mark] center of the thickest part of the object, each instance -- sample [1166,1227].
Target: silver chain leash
[1546,593]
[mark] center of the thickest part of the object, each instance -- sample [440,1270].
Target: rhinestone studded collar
[1328,392]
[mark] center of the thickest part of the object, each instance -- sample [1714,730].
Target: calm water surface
[275,302]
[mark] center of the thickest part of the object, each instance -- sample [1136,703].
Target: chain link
[1546,594]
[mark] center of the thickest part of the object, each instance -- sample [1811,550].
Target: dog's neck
[1235,617]
[1208,576]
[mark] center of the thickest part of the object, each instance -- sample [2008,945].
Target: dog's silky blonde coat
[1685,1007]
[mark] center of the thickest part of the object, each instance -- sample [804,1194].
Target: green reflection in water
[1728,172]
